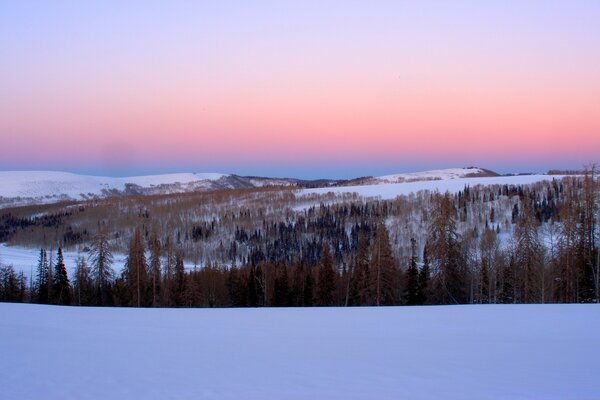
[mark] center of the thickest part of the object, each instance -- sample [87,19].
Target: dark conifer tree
[424,278]
[252,293]
[360,288]
[179,279]
[309,294]
[101,260]
[61,285]
[83,287]
[41,282]
[412,277]
[326,283]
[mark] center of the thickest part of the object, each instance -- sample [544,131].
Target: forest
[275,247]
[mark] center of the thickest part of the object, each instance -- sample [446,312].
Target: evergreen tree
[360,293]
[101,260]
[179,279]
[412,277]
[61,285]
[309,294]
[326,283]
[281,294]
[83,286]
[252,293]
[423,294]
[41,282]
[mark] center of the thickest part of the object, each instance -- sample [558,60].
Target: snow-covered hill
[439,174]
[31,187]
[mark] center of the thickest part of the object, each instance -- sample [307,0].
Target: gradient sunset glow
[298,88]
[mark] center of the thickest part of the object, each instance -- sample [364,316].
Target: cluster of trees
[496,244]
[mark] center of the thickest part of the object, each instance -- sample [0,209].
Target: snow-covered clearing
[26,259]
[449,352]
[388,191]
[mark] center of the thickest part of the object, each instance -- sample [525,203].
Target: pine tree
[309,293]
[61,286]
[423,294]
[360,293]
[179,279]
[41,282]
[412,277]
[326,283]
[101,260]
[83,287]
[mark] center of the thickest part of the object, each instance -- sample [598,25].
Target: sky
[304,89]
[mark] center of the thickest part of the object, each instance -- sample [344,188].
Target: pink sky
[301,89]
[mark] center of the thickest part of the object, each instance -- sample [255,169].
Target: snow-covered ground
[26,259]
[453,185]
[537,352]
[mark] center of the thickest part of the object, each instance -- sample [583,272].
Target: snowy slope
[453,185]
[439,174]
[47,186]
[526,352]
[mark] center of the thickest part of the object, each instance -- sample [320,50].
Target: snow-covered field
[453,185]
[449,352]
[26,259]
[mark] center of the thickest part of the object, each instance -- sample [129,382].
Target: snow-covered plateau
[537,352]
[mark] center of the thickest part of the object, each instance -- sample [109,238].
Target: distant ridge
[35,187]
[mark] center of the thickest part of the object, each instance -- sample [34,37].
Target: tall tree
[448,266]
[412,277]
[155,268]
[326,282]
[101,259]
[136,273]
[360,293]
[424,278]
[383,273]
[61,285]
[83,286]
[529,256]
[41,282]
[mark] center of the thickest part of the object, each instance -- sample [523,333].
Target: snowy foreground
[449,352]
